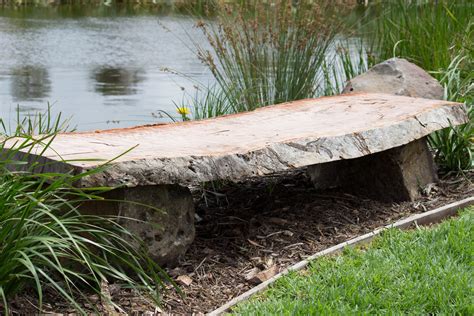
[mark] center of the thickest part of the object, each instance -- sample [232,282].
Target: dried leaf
[184,280]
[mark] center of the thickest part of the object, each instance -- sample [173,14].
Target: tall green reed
[429,33]
[265,53]
[352,56]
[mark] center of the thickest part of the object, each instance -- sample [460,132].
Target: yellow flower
[183,110]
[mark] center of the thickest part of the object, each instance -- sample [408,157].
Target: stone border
[429,217]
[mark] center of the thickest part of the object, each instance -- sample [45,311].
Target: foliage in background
[207,102]
[47,245]
[428,33]
[88,8]
[157,3]
[419,272]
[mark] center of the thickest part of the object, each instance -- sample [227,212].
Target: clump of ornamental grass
[264,53]
[206,102]
[352,57]
[47,246]
[454,146]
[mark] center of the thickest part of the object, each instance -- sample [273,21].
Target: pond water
[103,70]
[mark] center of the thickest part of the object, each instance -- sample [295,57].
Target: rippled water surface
[104,72]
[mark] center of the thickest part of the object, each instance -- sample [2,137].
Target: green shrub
[454,146]
[48,245]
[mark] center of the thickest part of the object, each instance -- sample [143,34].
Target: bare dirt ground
[249,231]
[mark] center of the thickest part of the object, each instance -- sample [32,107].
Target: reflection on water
[29,83]
[117,81]
[100,65]
[102,68]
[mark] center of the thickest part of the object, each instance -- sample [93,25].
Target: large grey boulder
[399,77]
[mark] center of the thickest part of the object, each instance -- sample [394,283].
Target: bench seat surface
[267,140]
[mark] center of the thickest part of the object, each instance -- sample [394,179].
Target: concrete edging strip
[429,217]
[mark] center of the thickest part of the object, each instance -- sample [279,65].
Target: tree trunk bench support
[373,144]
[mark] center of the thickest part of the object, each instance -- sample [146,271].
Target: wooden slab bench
[371,142]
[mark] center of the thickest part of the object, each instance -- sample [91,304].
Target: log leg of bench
[168,232]
[395,175]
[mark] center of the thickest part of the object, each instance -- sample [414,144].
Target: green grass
[419,272]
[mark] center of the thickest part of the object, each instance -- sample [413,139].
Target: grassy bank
[424,271]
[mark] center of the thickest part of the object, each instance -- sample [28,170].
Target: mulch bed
[278,222]
[267,225]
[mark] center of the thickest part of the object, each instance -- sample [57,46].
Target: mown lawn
[422,271]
